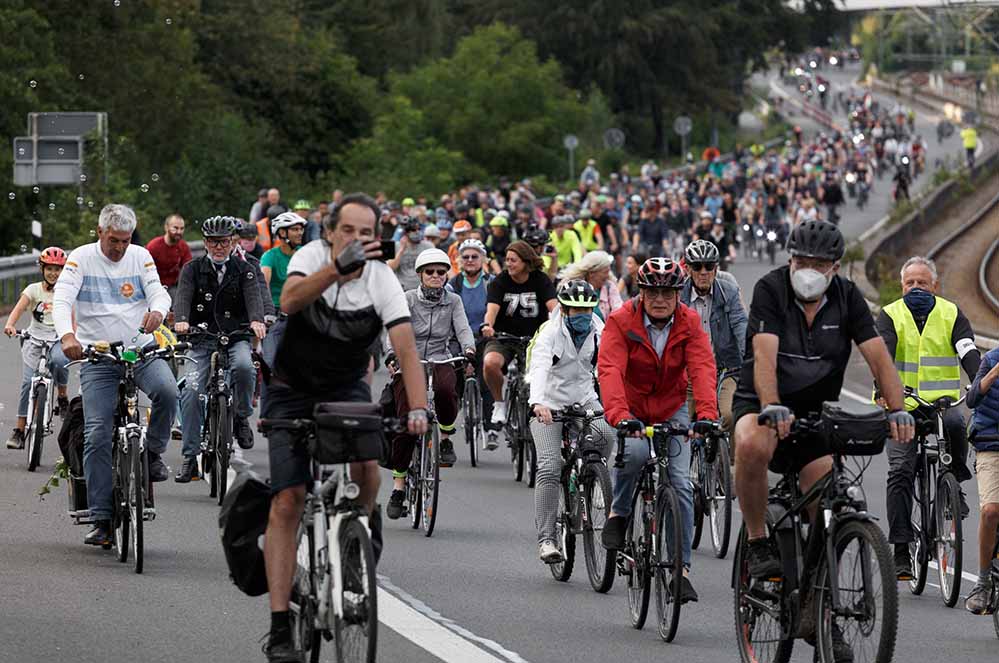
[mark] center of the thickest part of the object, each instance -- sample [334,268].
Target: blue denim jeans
[244,380]
[100,396]
[57,368]
[636,454]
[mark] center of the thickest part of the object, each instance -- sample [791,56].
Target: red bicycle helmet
[53,255]
[660,273]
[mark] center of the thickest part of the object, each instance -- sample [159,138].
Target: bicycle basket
[347,433]
[860,430]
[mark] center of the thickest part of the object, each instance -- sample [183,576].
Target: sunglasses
[701,266]
[659,293]
[475,256]
[435,272]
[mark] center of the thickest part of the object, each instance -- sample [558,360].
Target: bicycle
[517,394]
[41,398]
[584,500]
[711,475]
[471,404]
[423,474]
[937,523]
[217,434]
[810,599]
[132,502]
[657,549]
[334,594]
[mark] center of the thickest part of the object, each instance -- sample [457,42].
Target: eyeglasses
[659,293]
[435,272]
[217,243]
[474,256]
[701,266]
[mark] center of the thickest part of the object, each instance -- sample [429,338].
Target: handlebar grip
[181,347]
[619,455]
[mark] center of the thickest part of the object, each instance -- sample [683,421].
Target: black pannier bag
[242,521]
[348,432]
[857,430]
[71,444]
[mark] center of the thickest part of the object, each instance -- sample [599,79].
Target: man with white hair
[118,298]
[931,341]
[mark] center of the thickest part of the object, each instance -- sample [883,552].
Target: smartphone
[388,250]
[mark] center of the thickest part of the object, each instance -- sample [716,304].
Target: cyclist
[409,246]
[561,359]
[538,239]
[984,398]
[595,269]
[723,318]
[270,312]
[650,346]
[498,241]
[338,298]
[568,248]
[969,138]
[220,292]
[589,231]
[518,302]
[123,301]
[462,231]
[289,228]
[931,340]
[37,298]
[247,233]
[438,318]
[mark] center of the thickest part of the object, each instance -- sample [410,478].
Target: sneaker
[188,470]
[612,537]
[499,413]
[978,600]
[282,652]
[903,562]
[549,552]
[62,406]
[16,439]
[176,433]
[687,593]
[763,560]
[244,434]
[396,505]
[157,469]
[492,441]
[448,457]
[100,535]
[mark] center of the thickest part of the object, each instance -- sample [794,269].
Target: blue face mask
[579,327]
[920,302]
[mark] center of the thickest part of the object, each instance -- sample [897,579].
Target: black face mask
[432,295]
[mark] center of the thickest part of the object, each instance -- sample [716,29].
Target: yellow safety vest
[970,138]
[586,232]
[927,362]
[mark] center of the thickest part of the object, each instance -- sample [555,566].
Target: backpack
[71,437]
[242,522]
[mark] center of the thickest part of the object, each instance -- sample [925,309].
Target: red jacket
[636,384]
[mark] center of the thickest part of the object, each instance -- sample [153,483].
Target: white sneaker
[549,552]
[492,443]
[499,413]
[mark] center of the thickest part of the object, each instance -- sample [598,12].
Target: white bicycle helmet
[472,244]
[287,220]
[432,257]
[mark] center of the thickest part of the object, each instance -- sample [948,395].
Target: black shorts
[790,454]
[508,349]
[289,460]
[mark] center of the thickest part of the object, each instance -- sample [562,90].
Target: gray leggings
[548,444]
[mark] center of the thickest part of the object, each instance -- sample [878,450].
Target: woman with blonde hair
[595,269]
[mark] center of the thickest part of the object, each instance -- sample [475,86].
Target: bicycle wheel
[948,540]
[137,500]
[565,535]
[35,435]
[867,620]
[119,504]
[222,444]
[698,479]
[667,562]
[638,546]
[758,631]
[302,605]
[356,628]
[208,455]
[518,458]
[413,486]
[430,480]
[473,413]
[719,499]
[596,497]
[918,548]
[530,462]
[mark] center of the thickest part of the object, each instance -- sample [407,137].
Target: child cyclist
[561,360]
[37,298]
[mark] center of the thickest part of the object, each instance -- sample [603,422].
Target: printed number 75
[527,301]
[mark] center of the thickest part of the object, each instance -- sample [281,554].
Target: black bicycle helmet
[816,239]
[218,226]
[247,230]
[701,251]
[578,294]
[536,236]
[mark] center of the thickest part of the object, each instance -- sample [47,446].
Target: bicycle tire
[530,462]
[885,608]
[137,502]
[473,413]
[356,635]
[919,550]
[119,506]
[302,604]
[413,486]
[430,481]
[596,499]
[222,444]
[208,455]
[565,535]
[697,478]
[639,580]
[720,506]
[948,539]
[667,555]
[771,648]
[35,435]
[518,459]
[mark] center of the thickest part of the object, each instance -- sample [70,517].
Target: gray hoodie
[436,323]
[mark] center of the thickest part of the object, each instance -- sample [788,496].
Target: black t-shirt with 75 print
[522,305]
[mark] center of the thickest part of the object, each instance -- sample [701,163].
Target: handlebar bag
[857,430]
[348,433]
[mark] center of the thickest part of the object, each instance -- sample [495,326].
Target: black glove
[774,413]
[629,426]
[704,426]
[351,258]
[901,418]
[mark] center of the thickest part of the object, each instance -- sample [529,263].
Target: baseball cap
[302,203]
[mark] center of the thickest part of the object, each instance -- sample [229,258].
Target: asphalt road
[475,591]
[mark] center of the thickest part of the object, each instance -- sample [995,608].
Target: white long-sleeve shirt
[111,298]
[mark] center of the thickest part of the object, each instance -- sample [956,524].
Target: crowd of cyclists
[617,288]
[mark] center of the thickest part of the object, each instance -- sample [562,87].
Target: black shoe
[188,470]
[612,537]
[762,560]
[100,535]
[448,457]
[62,406]
[964,505]
[16,439]
[176,433]
[903,562]
[842,652]
[282,652]
[244,434]
[396,505]
[157,469]
[687,593]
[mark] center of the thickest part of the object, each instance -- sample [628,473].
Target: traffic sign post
[570,142]
[682,126]
[53,151]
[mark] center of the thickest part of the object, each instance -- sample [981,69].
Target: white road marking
[855,396]
[964,574]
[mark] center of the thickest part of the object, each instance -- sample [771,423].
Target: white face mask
[810,284]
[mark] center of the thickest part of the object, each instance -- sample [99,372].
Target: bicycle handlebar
[26,336]
[941,404]
[647,431]
[503,336]
[576,412]
[305,425]
[115,353]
